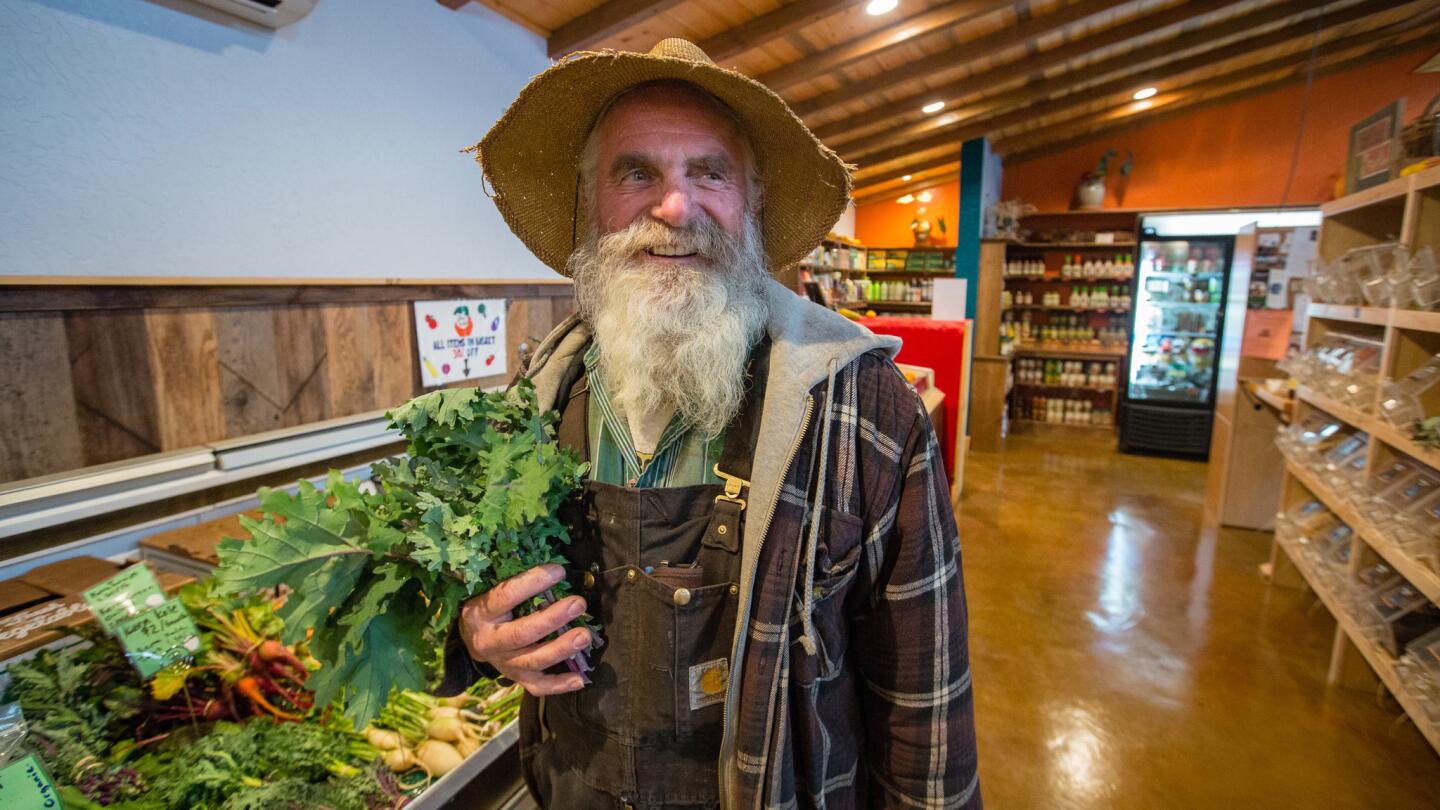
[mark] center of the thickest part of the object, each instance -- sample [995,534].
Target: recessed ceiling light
[878,7]
[906,200]
[933,107]
[1141,95]
[923,196]
[905,179]
[1142,105]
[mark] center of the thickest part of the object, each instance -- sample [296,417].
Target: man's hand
[516,647]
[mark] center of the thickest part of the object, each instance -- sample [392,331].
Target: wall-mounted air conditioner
[269,13]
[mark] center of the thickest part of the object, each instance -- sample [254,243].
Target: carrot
[250,688]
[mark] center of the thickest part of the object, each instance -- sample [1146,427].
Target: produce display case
[41,608]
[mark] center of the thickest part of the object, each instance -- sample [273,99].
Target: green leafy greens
[379,575]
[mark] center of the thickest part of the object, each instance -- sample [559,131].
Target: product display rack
[1068,237]
[1407,210]
[896,281]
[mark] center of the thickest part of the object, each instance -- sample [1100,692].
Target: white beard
[674,337]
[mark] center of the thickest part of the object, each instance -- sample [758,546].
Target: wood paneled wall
[101,372]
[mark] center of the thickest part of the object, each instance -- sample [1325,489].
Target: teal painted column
[979,188]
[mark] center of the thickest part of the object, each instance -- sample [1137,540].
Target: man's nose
[676,208]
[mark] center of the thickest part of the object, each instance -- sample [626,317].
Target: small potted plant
[1090,193]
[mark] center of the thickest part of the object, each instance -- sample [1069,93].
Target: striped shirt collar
[675,445]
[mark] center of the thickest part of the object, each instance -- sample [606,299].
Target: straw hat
[531,157]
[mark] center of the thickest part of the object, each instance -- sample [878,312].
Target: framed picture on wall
[1374,147]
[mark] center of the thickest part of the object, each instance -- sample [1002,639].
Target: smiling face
[671,273]
[671,154]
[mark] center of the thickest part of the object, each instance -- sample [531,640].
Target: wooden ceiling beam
[944,174]
[959,91]
[1030,151]
[783,21]
[452,4]
[1380,43]
[865,181]
[984,47]
[879,41]
[1130,77]
[951,58]
[603,22]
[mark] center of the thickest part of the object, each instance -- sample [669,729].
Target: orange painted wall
[1237,154]
[887,224]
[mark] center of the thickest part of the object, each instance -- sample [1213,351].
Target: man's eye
[638,175]
[716,176]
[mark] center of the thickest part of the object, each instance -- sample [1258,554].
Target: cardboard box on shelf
[191,549]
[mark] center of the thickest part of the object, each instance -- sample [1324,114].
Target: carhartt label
[707,683]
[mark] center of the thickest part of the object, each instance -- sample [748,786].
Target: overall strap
[738,454]
[572,401]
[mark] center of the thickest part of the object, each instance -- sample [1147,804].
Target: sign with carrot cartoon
[460,340]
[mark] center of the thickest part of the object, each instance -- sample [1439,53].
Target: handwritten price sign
[160,637]
[24,785]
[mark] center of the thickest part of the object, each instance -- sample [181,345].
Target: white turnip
[437,757]
[382,738]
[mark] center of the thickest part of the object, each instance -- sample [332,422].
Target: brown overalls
[659,569]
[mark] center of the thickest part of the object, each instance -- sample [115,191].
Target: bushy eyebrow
[716,162]
[627,162]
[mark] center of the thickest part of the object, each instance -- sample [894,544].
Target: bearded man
[765,534]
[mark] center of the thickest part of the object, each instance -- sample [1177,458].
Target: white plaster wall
[155,137]
[846,225]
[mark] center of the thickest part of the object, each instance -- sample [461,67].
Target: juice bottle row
[1076,373]
[845,289]
[1066,330]
[1062,411]
[1098,298]
[1075,267]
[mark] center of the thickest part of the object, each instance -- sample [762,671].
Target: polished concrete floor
[1124,658]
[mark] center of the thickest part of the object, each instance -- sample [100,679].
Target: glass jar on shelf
[1302,440]
[1334,466]
[1382,273]
[1424,273]
[1402,400]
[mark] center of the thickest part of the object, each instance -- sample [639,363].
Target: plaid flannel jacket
[876,711]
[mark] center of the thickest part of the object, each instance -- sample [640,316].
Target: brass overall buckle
[733,485]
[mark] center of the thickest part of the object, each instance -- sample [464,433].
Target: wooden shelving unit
[841,257]
[1066,234]
[1405,210]
[1349,632]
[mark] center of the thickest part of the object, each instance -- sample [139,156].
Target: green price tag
[24,785]
[159,637]
[126,594]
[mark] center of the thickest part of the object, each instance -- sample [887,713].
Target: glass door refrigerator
[1179,312]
